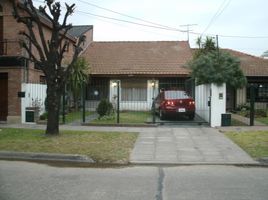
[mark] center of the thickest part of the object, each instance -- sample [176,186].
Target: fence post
[118,101]
[84,103]
[252,104]
[153,105]
[63,104]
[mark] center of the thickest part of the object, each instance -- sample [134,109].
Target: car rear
[177,102]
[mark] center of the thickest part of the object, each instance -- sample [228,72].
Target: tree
[77,78]
[213,66]
[50,49]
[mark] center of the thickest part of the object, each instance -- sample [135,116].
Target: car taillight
[191,102]
[170,103]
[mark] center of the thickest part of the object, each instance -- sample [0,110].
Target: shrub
[258,113]
[243,107]
[43,116]
[104,108]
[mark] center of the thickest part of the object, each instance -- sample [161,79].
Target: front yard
[254,143]
[103,147]
[126,117]
[261,115]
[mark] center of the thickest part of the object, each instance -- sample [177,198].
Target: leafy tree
[50,49]
[77,78]
[213,66]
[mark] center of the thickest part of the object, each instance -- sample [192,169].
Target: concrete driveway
[200,145]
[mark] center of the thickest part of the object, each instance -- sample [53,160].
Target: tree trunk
[53,108]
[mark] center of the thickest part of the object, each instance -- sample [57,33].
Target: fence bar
[252,104]
[84,103]
[63,105]
[118,102]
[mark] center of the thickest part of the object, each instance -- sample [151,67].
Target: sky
[246,21]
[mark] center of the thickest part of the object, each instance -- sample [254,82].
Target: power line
[188,30]
[125,15]
[217,14]
[126,21]
[162,27]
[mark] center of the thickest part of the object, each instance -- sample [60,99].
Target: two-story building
[15,67]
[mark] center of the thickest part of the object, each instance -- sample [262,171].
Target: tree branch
[78,50]
[32,12]
[70,10]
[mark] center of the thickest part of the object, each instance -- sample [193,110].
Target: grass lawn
[257,118]
[100,146]
[126,118]
[73,116]
[235,122]
[254,143]
[263,120]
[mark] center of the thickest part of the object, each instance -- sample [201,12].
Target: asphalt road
[31,181]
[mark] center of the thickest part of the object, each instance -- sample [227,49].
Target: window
[261,92]
[134,90]
[43,80]
[97,89]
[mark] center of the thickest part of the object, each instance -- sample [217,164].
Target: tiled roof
[139,58]
[251,65]
[77,31]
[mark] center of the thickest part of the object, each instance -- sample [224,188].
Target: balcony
[11,53]
[10,47]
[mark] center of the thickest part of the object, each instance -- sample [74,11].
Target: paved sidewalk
[187,146]
[173,145]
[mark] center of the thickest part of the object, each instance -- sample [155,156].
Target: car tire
[191,116]
[161,115]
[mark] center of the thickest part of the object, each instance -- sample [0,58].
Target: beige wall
[241,98]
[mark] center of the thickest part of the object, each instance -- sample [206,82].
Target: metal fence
[130,101]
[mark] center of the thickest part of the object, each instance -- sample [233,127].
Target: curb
[75,158]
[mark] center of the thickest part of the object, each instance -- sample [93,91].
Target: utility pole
[188,29]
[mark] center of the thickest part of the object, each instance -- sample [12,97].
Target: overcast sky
[222,17]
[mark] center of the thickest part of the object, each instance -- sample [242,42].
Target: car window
[176,95]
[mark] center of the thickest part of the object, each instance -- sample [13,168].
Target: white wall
[202,94]
[218,103]
[134,105]
[217,94]
[33,92]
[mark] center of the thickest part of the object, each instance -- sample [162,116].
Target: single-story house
[256,70]
[143,68]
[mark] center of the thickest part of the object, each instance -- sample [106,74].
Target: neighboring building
[15,67]
[256,70]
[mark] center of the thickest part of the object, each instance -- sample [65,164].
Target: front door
[4,96]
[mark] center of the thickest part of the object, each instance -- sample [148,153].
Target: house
[142,68]
[16,68]
[256,70]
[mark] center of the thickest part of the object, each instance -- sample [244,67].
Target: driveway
[200,145]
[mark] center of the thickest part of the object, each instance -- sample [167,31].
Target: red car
[174,102]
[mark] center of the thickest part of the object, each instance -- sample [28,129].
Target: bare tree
[50,49]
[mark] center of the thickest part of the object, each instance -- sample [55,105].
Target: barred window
[134,90]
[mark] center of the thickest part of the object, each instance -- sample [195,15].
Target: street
[32,181]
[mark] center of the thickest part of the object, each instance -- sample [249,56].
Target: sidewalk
[187,146]
[173,145]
